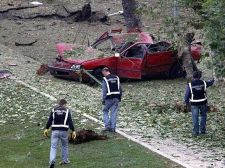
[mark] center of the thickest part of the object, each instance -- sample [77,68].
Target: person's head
[197,74]
[105,71]
[62,102]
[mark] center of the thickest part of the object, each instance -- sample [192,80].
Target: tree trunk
[132,19]
[184,53]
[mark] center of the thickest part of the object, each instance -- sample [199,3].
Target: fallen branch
[25,44]
[17,8]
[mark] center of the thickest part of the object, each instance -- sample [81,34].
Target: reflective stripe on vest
[65,120]
[108,88]
[192,95]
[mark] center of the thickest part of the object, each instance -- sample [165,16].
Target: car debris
[5,74]
[42,70]
[115,13]
[133,55]
[36,3]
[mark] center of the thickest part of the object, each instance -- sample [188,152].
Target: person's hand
[45,133]
[188,106]
[74,135]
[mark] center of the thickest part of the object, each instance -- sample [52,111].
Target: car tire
[177,71]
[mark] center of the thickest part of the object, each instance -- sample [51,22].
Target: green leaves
[208,16]
[212,15]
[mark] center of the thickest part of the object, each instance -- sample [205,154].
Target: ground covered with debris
[148,110]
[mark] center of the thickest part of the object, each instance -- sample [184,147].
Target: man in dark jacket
[111,96]
[60,120]
[196,95]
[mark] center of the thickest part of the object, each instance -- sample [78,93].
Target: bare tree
[132,19]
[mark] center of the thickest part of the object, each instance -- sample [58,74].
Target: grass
[147,107]
[23,116]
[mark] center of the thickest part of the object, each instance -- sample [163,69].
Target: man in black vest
[60,120]
[111,96]
[196,95]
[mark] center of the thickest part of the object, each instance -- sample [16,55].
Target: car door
[130,63]
[158,62]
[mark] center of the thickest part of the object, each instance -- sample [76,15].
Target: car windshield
[122,41]
[107,43]
[82,52]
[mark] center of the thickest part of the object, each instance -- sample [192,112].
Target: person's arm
[49,123]
[187,95]
[121,92]
[104,90]
[209,82]
[70,121]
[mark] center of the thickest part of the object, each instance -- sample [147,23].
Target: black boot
[52,165]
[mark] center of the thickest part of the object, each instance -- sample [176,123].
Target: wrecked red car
[128,55]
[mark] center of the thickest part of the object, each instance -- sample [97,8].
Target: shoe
[106,130]
[64,163]
[195,135]
[52,165]
[112,130]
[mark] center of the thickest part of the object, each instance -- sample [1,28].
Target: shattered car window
[105,46]
[119,40]
[82,52]
[122,41]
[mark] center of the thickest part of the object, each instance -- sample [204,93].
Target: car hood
[78,53]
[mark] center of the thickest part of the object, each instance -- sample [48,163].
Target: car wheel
[177,71]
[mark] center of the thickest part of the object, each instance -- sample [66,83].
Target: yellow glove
[73,135]
[45,133]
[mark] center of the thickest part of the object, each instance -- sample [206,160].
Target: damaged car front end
[131,55]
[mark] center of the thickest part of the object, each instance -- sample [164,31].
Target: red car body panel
[151,63]
[159,62]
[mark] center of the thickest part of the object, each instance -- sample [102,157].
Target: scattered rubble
[5,74]
[65,12]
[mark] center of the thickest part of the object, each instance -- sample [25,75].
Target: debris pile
[86,136]
[181,107]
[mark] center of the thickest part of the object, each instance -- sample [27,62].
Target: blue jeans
[113,106]
[195,109]
[63,137]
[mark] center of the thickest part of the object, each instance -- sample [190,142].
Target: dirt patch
[15,28]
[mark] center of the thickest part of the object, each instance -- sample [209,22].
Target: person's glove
[45,133]
[74,135]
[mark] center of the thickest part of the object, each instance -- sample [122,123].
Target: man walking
[111,96]
[196,95]
[60,120]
